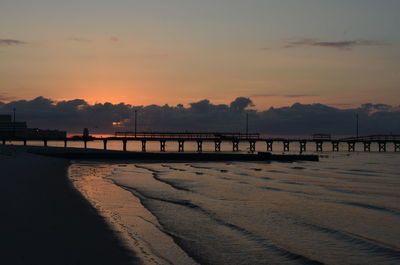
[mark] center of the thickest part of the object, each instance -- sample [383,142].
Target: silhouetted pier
[317,143]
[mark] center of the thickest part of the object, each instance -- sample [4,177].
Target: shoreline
[125,212]
[46,220]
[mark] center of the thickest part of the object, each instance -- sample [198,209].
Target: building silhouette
[10,129]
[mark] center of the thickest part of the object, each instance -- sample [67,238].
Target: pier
[318,143]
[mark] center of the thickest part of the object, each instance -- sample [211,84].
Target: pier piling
[235,145]
[252,146]
[351,146]
[124,143]
[269,146]
[162,146]
[199,146]
[396,146]
[382,146]
[217,145]
[319,146]
[303,146]
[144,145]
[335,146]
[367,146]
[181,145]
[105,144]
[286,146]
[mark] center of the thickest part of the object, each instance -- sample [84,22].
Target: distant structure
[86,133]
[321,136]
[35,133]
[12,129]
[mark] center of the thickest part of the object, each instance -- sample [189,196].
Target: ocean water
[344,209]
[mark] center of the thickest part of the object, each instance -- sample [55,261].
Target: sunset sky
[277,52]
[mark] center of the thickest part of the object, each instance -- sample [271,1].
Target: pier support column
[335,146]
[44,142]
[382,146]
[235,145]
[319,146]
[181,145]
[303,146]
[396,146]
[252,146]
[124,142]
[25,142]
[85,144]
[199,146]
[269,146]
[162,146]
[367,146]
[352,146]
[286,146]
[217,145]
[105,144]
[144,146]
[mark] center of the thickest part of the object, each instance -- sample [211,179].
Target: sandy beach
[44,220]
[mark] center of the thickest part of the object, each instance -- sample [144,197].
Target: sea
[344,209]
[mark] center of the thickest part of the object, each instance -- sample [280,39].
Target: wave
[371,207]
[278,251]
[377,249]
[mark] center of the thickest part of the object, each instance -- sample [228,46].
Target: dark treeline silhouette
[202,116]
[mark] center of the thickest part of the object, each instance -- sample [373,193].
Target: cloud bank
[11,42]
[340,45]
[204,116]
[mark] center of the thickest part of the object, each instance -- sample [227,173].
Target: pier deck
[316,144]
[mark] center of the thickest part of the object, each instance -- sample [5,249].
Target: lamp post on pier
[135,122]
[356,125]
[14,110]
[247,125]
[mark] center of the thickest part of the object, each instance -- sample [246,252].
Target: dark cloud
[340,45]
[11,42]
[240,103]
[298,119]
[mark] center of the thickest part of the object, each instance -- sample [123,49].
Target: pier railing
[373,138]
[189,135]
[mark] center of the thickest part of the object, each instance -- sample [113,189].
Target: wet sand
[44,220]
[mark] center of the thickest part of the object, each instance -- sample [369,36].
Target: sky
[341,53]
